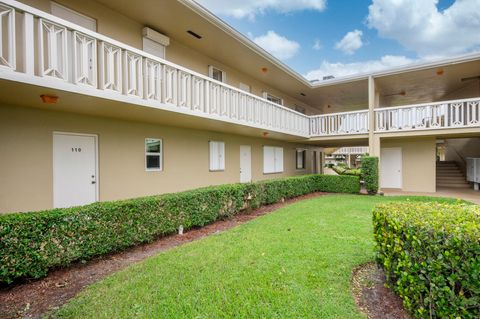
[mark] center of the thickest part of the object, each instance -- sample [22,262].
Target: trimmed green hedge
[370,173]
[431,256]
[32,243]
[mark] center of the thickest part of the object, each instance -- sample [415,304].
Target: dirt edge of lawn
[34,298]
[372,296]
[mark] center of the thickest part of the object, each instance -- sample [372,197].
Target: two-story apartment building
[111,99]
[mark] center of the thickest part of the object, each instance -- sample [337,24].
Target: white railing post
[28,48]
[7,37]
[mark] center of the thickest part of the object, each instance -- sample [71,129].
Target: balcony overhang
[27,93]
[438,133]
[339,140]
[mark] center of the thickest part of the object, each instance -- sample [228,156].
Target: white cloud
[250,8]
[317,45]
[277,45]
[419,25]
[351,42]
[345,69]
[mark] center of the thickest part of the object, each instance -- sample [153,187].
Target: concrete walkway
[462,193]
[329,171]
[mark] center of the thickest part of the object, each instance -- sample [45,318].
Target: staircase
[450,175]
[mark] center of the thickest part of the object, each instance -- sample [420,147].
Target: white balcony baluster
[84,59]
[152,82]
[224,102]
[7,37]
[473,113]
[132,74]
[110,65]
[170,85]
[52,41]
[198,94]
[184,89]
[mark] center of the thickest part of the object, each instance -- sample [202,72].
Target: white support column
[373,101]
[28,44]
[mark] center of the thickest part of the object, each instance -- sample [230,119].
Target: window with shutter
[217,156]
[73,16]
[272,159]
[216,74]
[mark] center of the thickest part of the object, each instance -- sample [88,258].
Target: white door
[391,168]
[74,169]
[245,164]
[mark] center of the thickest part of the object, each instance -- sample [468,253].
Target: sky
[320,38]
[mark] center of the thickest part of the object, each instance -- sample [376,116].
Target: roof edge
[212,18]
[401,69]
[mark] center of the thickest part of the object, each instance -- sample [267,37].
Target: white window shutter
[268,159]
[213,155]
[217,155]
[278,159]
[153,48]
[221,155]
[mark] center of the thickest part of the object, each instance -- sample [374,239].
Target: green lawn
[293,263]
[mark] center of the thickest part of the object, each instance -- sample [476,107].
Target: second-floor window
[272,98]
[73,16]
[154,42]
[244,87]
[216,73]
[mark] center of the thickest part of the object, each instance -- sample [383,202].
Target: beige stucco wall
[26,137]
[418,161]
[128,31]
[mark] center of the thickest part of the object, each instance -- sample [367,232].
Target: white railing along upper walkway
[339,123]
[67,52]
[351,150]
[439,115]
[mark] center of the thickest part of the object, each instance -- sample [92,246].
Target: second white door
[391,167]
[245,164]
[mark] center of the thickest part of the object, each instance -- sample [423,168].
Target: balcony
[430,116]
[68,55]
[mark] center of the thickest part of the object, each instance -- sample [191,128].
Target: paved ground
[329,171]
[466,194]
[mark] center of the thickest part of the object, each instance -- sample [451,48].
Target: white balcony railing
[440,115]
[339,123]
[69,53]
[351,150]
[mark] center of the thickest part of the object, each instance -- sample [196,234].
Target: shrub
[370,173]
[32,243]
[431,256]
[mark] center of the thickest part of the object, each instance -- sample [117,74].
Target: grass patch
[294,263]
